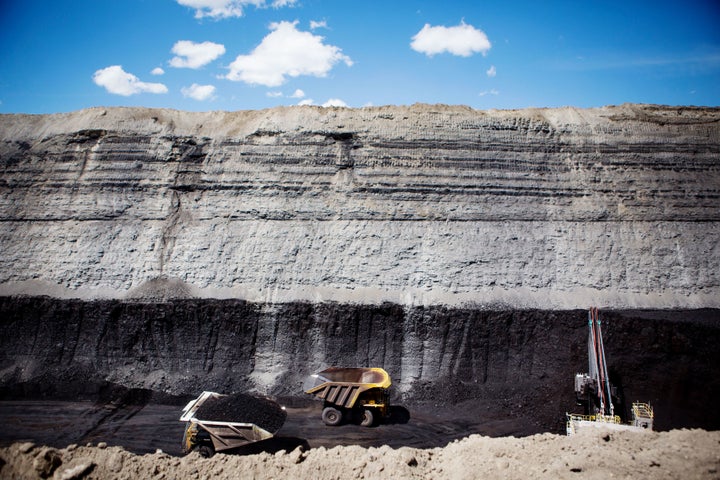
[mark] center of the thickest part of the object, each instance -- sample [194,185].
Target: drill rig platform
[593,389]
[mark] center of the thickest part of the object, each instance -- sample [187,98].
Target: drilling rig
[595,392]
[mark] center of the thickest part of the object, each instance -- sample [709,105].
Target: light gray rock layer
[541,208]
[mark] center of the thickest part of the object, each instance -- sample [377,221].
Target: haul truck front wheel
[332,416]
[368,418]
[205,451]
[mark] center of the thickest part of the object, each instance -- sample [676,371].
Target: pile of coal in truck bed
[241,408]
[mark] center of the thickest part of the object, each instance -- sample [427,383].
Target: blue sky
[59,56]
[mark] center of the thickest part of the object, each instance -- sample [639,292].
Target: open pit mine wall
[518,363]
[555,208]
[227,250]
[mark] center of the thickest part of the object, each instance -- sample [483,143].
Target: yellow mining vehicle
[351,393]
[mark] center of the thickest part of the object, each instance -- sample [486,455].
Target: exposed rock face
[512,363]
[242,251]
[551,208]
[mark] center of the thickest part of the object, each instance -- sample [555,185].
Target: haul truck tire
[332,416]
[368,418]
[205,451]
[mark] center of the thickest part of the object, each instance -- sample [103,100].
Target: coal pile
[241,408]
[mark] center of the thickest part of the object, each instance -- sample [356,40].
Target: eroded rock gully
[458,249]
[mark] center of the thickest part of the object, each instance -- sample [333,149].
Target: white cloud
[314,24]
[229,8]
[116,80]
[198,92]
[491,72]
[489,92]
[215,8]
[334,102]
[463,40]
[195,55]
[157,71]
[278,94]
[284,52]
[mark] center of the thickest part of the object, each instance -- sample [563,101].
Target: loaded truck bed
[217,422]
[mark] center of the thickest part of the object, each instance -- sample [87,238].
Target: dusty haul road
[594,454]
[153,426]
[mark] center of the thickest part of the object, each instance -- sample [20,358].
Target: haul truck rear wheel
[332,416]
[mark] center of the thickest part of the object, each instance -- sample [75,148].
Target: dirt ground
[55,439]
[597,454]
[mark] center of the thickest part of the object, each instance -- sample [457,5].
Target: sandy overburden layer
[428,204]
[687,454]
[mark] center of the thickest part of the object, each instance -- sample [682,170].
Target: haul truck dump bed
[351,393]
[217,422]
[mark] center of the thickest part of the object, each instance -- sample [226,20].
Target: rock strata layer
[539,208]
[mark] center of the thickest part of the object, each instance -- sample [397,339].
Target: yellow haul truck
[347,393]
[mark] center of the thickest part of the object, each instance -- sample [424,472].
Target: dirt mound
[596,454]
[161,289]
[243,408]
